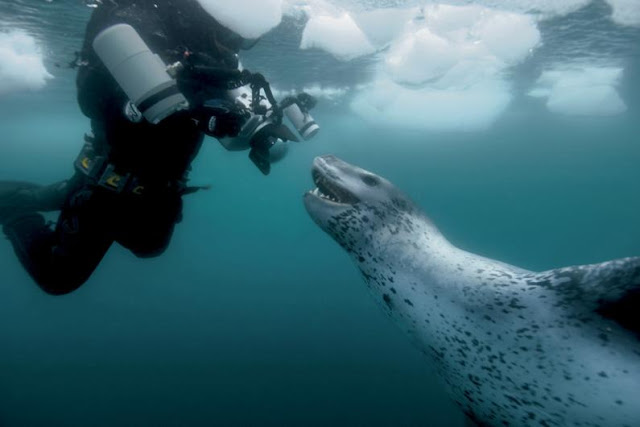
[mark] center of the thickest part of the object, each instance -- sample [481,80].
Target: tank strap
[105,175]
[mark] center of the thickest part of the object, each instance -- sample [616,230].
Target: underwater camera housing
[264,128]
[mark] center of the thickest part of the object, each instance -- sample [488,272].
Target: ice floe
[447,66]
[473,108]
[22,66]
[445,70]
[581,91]
[625,12]
[332,94]
[339,36]
[249,18]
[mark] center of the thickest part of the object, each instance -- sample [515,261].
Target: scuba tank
[141,74]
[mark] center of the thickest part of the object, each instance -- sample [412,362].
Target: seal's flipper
[625,311]
[611,289]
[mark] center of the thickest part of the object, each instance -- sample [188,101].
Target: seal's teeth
[326,191]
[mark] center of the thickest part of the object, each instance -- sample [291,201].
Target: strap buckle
[113,181]
[136,187]
[88,164]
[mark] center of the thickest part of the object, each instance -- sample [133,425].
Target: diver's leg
[61,260]
[51,197]
[150,226]
[21,198]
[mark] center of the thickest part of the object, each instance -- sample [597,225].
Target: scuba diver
[154,76]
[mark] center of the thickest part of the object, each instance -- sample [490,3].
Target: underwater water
[254,316]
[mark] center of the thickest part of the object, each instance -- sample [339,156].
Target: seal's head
[351,203]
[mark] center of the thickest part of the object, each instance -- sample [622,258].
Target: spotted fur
[513,347]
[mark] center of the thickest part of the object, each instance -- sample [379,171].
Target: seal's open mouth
[330,188]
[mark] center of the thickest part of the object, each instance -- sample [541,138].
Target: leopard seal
[513,347]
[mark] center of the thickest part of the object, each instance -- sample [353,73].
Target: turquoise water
[254,316]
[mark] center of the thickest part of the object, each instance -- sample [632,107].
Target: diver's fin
[17,198]
[9,190]
[14,199]
[612,289]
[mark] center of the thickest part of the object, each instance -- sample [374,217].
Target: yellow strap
[114,180]
[86,163]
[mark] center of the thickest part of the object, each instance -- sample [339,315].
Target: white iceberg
[22,66]
[340,36]
[250,19]
[581,91]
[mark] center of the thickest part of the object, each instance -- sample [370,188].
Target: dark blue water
[254,316]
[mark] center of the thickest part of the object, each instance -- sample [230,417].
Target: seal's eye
[370,180]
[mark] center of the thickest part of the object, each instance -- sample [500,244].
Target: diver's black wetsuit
[158,156]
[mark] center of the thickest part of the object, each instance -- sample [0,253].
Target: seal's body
[513,347]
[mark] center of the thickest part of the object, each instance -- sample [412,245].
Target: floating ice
[626,12]
[544,8]
[421,56]
[446,65]
[586,91]
[339,36]
[509,36]
[328,93]
[452,34]
[21,67]
[249,18]
[383,26]
[444,70]
[465,109]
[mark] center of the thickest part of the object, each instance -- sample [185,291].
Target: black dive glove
[220,118]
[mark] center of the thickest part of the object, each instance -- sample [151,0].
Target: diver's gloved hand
[222,118]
